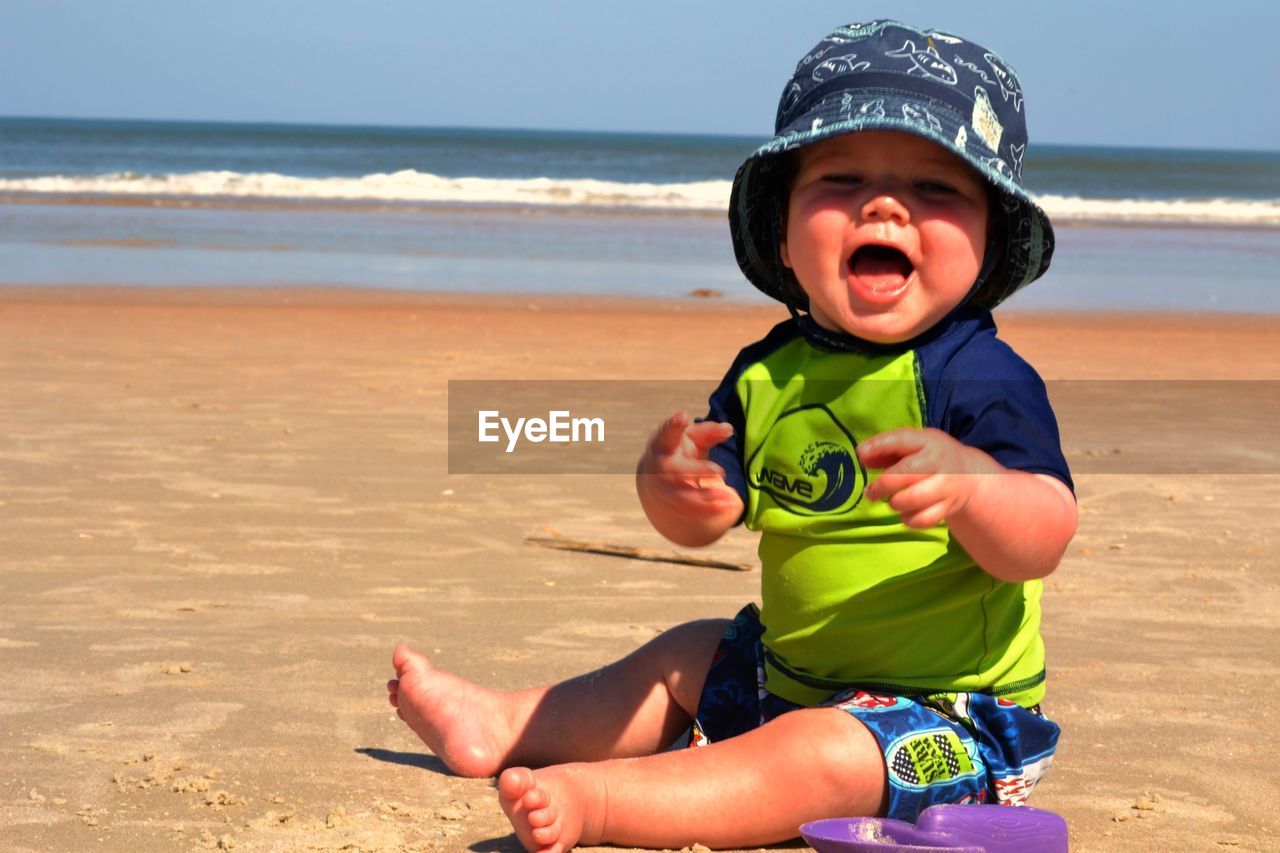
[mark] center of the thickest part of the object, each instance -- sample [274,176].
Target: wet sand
[220,510]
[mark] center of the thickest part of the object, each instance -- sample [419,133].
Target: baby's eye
[937,187]
[842,179]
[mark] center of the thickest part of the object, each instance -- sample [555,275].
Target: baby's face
[885,233]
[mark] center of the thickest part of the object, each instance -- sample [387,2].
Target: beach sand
[221,509]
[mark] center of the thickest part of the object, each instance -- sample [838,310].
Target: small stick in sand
[560,542]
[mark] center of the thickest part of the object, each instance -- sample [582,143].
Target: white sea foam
[407,185]
[1228,211]
[413,186]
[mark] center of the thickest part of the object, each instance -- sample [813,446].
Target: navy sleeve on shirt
[725,407]
[987,397]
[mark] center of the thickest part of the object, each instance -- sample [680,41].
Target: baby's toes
[537,800]
[547,833]
[515,783]
[545,817]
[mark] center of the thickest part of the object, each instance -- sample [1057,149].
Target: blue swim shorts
[938,748]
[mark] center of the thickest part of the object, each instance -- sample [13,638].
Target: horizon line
[565,130]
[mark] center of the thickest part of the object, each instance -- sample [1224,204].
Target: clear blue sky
[1124,72]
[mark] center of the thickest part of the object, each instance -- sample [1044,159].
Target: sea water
[510,211]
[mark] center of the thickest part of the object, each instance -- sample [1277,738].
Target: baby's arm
[682,492]
[1015,525]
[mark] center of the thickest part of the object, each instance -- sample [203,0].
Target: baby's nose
[885,206]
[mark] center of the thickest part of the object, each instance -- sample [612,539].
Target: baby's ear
[783,253]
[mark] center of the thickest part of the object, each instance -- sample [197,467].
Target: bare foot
[553,809]
[464,724]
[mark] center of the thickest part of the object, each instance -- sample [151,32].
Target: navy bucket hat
[884,75]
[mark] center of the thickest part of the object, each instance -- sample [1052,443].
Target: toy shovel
[951,828]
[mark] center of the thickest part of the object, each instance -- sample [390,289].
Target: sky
[1126,72]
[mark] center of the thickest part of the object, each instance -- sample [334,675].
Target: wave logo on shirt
[807,463]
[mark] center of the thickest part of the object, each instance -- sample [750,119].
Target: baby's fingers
[892,482]
[707,434]
[929,516]
[887,448]
[686,469]
[694,499]
[927,502]
[713,498]
[666,441]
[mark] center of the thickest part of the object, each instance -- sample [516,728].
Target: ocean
[517,211]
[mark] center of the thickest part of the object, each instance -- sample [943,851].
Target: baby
[902,466]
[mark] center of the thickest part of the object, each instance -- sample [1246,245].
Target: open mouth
[880,268]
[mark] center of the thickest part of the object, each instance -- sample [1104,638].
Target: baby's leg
[636,706]
[746,791]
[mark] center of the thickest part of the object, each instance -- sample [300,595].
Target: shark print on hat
[998,165]
[824,47]
[1010,88]
[837,65]
[921,116]
[961,62]
[813,56]
[865,109]
[926,62]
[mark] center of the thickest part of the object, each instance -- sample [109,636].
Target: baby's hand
[927,475]
[675,470]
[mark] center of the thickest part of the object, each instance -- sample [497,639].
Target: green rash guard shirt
[850,595]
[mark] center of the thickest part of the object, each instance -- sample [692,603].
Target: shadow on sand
[408,759]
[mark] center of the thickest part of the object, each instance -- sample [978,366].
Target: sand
[219,510]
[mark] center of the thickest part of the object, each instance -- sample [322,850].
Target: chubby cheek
[955,250]
[962,264]
[812,241]
[968,263]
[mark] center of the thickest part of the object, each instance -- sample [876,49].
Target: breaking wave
[1224,211]
[404,186]
[414,186]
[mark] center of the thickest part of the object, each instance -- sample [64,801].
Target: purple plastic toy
[975,829]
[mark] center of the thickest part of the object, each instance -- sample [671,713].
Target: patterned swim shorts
[938,748]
